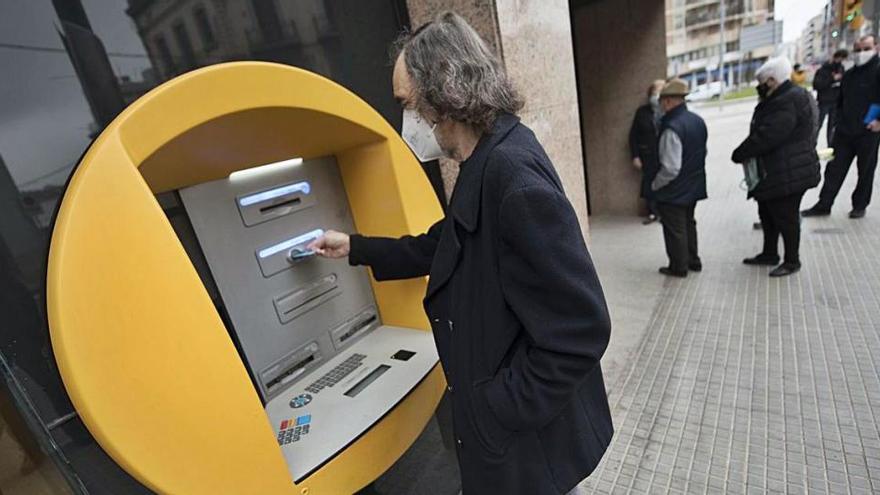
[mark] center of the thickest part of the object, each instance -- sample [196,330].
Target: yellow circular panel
[143,354]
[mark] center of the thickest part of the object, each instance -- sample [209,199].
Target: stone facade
[617,58]
[534,40]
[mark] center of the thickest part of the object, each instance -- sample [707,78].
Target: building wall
[618,56]
[534,40]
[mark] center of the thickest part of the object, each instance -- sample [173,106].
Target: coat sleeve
[767,134]
[548,279]
[395,259]
[634,137]
[671,156]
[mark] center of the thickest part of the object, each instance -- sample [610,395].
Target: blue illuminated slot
[290,243]
[300,187]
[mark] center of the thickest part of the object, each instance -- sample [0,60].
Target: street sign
[760,35]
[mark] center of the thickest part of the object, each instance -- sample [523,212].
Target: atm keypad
[337,374]
[294,429]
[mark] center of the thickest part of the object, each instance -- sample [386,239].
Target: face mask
[763,90]
[655,101]
[419,136]
[864,57]
[848,64]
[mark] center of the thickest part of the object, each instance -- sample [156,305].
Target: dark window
[267,19]
[203,25]
[185,45]
[165,55]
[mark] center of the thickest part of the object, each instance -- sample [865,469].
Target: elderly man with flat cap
[681,181]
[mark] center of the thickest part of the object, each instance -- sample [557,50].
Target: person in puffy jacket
[782,140]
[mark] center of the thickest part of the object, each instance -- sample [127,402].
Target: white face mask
[419,136]
[864,57]
[655,101]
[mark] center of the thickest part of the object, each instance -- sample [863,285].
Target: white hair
[778,68]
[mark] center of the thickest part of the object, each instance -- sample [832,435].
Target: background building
[830,30]
[810,44]
[693,38]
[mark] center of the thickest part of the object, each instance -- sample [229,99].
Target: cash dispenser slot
[265,205]
[343,334]
[290,368]
[292,304]
[286,254]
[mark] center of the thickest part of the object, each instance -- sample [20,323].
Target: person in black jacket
[826,82]
[681,181]
[643,136]
[859,89]
[515,305]
[782,139]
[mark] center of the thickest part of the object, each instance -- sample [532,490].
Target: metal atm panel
[290,311]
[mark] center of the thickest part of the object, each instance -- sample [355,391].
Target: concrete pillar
[620,47]
[538,54]
[533,38]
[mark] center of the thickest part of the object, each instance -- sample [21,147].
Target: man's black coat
[643,141]
[518,315]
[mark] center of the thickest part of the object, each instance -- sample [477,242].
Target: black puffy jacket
[783,139]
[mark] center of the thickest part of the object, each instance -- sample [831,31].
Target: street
[730,381]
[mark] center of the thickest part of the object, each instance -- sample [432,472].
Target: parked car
[705,92]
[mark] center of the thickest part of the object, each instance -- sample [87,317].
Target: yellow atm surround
[143,353]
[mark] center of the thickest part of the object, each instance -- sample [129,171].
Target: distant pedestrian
[643,137]
[826,82]
[681,180]
[859,89]
[782,141]
[799,76]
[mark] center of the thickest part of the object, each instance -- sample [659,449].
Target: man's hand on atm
[331,245]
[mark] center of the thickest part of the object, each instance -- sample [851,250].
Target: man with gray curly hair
[514,302]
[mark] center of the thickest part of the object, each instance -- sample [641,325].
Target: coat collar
[465,202]
[781,90]
[674,112]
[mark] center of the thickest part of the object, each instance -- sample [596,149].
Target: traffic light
[852,13]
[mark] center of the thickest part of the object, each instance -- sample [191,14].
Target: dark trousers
[862,148]
[827,110]
[782,216]
[652,207]
[680,235]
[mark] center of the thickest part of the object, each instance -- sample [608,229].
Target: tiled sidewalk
[746,384]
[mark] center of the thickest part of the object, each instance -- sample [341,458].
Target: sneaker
[857,213]
[757,226]
[816,211]
[785,269]
[669,272]
[762,260]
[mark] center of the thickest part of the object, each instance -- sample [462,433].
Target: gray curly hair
[455,75]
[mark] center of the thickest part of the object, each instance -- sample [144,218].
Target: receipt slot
[226,357]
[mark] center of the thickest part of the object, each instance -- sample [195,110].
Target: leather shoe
[762,260]
[816,211]
[785,269]
[669,272]
[695,266]
[857,213]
